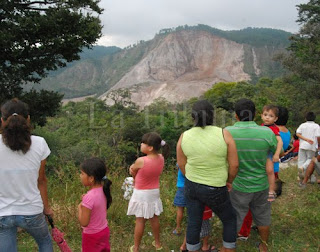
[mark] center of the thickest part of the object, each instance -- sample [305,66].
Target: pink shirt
[95,200]
[148,176]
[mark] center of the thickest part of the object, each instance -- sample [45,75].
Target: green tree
[38,36]
[304,51]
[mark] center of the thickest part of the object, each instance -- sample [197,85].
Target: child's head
[154,141]
[269,114]
[93,172]
[310,116]
[295,137]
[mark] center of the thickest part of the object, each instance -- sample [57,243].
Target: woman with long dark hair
[207,155]
[23,183]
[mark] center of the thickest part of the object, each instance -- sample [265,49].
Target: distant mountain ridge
[176,64]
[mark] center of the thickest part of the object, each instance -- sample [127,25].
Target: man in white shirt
[309,135]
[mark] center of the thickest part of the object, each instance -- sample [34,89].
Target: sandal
[272,196]
[209,249]
[259,243]
[176,232]
[154,245]
[214,249]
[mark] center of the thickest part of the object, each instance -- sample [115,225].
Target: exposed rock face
[185,64]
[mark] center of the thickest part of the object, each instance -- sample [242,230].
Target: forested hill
[247,55]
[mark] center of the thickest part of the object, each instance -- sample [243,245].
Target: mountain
[177,64]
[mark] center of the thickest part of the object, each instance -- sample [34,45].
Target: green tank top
[206,152]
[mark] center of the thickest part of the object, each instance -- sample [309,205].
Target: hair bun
[163,143]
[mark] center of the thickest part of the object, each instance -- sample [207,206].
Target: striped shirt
[253,142]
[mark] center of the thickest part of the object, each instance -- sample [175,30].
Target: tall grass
[295,216]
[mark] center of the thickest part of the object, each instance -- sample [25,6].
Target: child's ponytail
[165,149]
[107,191]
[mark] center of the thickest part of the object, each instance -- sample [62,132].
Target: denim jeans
[35,225]
[217,198]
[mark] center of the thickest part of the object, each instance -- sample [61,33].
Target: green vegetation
[256,37]
[38,36]
[114,134]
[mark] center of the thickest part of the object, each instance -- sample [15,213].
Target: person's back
[253,144]
[23,183]
[149,175]
[309,130]
[308,133]
[19,194]
[206,151]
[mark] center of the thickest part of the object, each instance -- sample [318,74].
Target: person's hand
[229,186]
[271,196]
[48,211]
[131,171]
[275,159]
[310,141]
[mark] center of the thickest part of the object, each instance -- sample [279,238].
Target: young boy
[269,116]
[308,132]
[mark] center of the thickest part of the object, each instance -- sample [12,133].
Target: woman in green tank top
[207,155]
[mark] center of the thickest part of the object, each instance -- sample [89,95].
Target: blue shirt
[181,179]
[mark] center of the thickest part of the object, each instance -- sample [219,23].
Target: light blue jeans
[35,225]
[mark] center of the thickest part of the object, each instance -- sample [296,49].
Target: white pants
[305,157]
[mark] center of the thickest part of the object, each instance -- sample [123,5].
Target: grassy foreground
[295,216]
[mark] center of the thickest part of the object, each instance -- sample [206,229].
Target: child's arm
[271,178]
[304,138]
[276,155]
[84,215]
[138,164]
[288,151]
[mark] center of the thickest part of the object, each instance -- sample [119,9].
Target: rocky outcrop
[185,64]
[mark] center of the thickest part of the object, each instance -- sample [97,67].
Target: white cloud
[128,21]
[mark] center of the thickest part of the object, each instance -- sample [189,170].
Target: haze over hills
[177,64]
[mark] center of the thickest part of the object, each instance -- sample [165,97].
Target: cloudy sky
[128,21]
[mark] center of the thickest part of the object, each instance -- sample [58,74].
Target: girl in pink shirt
[94,205]
[145,202]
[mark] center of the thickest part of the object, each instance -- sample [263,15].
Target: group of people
[230,172]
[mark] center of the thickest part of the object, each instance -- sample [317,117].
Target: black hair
[283,116]
[202,113]
[310,116]
[16,129]
[96,168]
[295,137]
[245,109]
[153,139]
[273,108]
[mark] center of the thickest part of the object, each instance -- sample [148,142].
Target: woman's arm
[138,164]
[84,215]
[181,158]
[232,157]
[42,185]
